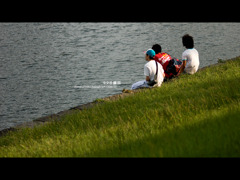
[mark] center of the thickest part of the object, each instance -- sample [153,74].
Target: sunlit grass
[193,116]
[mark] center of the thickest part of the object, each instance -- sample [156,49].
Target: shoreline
[57,116]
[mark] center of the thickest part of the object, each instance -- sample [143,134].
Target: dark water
[49,67]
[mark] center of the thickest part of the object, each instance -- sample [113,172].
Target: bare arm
[183,66]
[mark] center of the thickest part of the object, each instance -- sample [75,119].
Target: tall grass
[192,116]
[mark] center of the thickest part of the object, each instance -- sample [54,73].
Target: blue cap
[150,52]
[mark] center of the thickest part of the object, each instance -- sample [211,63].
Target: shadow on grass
[216,136]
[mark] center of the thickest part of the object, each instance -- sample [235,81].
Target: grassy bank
[193,116]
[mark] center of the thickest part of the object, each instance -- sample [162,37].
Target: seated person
[171,66]
[190,56]
[152,70]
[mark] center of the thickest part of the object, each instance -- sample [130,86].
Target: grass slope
[193,116]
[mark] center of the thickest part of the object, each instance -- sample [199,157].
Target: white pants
[192,70]
[140,84]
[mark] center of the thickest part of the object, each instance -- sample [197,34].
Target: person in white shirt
[190,56]
[152,70]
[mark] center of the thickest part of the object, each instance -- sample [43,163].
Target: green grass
[193,116]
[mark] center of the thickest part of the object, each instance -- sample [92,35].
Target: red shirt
[163,59]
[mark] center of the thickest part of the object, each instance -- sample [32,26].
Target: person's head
[149,54]
[187,41]
[157,48]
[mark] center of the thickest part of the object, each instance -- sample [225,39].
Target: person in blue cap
[152,70]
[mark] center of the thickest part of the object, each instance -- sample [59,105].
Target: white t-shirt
[192,58]
[150,70]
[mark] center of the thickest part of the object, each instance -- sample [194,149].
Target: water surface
[41,64]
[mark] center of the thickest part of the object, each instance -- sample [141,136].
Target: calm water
[49,67]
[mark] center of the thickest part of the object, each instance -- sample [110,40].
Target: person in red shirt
[163,58]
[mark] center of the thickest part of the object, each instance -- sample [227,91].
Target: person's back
[150,69]
[190,56]
[153,72]
[163,59]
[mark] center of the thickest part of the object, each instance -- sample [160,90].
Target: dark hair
[187,41]
[157,48]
